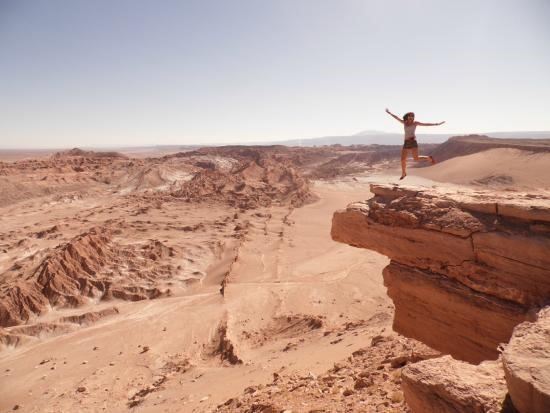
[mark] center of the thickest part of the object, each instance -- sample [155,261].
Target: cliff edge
[466,268]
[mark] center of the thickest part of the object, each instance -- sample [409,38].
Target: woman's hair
[407,115]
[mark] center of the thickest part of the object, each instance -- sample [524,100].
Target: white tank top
[410,131]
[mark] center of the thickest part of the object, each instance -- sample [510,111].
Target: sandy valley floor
[295,301]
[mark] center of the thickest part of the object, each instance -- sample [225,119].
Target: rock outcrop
[465,268]
[468,272]
[518,381]
[445,385]
[91,266]
[254,179]
[87,154]
[526,361]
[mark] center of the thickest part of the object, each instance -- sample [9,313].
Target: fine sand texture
[501,168]
[173,284]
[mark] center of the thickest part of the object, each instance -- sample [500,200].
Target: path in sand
[294,300]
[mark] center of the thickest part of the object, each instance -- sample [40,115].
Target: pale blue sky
[96,73]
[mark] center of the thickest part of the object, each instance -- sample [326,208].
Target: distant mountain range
[370,137]
[366,137]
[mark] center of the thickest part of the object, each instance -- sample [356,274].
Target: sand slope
[503,167]
[470,144]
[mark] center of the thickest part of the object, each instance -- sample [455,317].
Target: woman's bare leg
[403,163]
[421,157]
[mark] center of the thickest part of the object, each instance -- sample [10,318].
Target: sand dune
[470,144]
[501,168]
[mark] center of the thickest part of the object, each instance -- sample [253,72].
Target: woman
[410,144]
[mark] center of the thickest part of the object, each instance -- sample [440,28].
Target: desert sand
[501,168]
[112,280]
[207,280]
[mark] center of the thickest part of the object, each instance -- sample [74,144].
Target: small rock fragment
[397,397]
[361,383]
[348,392]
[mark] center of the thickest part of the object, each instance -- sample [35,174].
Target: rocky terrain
[180,270]
[466,269]
[89,255]
[369,380]
[207,280]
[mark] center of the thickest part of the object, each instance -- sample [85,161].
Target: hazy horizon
[140,73]
[493,134]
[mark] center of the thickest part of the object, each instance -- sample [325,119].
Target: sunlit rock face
[526,361]
[466,267]
[446,385]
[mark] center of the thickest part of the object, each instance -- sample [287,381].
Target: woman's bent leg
[421,157]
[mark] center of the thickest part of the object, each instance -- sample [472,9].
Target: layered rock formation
[254,178]
[90,266]
[467,271]
[518,381]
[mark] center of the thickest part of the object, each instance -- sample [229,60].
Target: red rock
[445,385]
[526,361]
[449,316]
[76,271]
[463,272]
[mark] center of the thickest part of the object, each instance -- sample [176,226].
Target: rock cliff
[468,269]
[465,268]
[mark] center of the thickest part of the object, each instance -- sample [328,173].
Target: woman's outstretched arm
[429,124]
[395,117]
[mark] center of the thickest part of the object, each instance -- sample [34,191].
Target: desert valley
[277,279]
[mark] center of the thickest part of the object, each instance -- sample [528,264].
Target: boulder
[445,385]
[526,361]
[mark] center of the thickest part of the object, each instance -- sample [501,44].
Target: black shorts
[410,143]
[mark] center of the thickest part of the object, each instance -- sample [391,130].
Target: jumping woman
[410,144]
